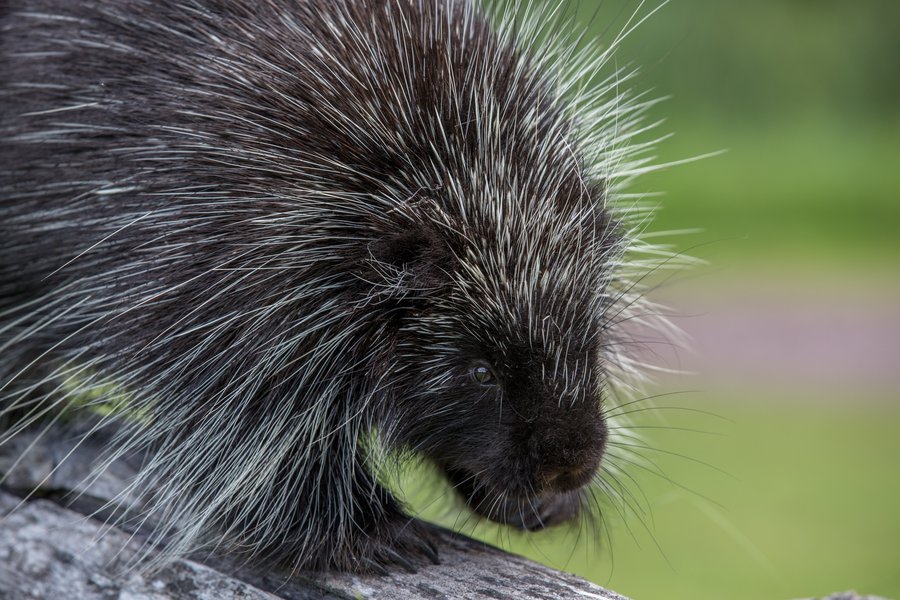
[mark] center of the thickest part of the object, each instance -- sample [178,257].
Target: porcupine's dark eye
[482,375]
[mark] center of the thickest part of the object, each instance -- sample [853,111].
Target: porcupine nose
[570,456]
[552,475]
[572,462]
[568,477]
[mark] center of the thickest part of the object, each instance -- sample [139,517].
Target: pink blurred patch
[808,336]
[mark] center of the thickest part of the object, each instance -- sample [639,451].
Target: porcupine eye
[482,375]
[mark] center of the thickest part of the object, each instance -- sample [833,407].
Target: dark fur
[263,187]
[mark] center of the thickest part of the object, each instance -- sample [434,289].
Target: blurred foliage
[804,96]
[770,62]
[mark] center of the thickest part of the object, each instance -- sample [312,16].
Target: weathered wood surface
[48,550]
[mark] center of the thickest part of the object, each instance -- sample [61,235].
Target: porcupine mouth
[523,511]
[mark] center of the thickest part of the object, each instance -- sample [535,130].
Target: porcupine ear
[411,259]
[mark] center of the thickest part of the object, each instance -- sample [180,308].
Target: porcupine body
[275,230]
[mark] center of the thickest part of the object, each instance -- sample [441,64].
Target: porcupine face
[500,364]
[539,432]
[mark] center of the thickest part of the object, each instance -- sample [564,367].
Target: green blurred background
[781,478]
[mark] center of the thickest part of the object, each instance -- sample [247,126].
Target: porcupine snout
[563,441]
[568,458]
[530,473]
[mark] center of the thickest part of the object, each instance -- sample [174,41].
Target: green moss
[101,398]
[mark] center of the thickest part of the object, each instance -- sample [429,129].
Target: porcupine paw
[403,543]
[548,511]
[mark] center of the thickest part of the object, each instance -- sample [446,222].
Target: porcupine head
[356,220]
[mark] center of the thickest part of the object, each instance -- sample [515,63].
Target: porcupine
[271,232]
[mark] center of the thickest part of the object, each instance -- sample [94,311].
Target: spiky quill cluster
[267,231]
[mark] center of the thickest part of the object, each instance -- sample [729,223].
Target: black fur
[278,226]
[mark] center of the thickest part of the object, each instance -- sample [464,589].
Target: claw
[373,566]
[401,560]
[431,551]
[406,545]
